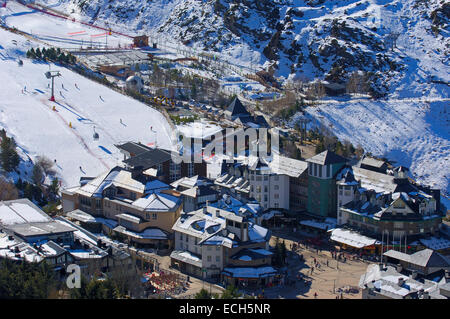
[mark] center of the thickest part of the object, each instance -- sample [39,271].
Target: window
[181,236]
[98,203]
[133,196]
[266,177]
[265,198]
[265,189]
[209,248]
[190,169]
[398,224]
[276,196]
[217,248]
[85,201]
[218,258]
[276,187]
[209,258]
[154,216]
[187,238]
[320,171]
[276,177]
[276,205]
[328,170]
[315,169]
[258,189]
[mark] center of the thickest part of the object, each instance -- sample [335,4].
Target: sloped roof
[251,254]
[288,166]
[157,202]
[369,161]
[370,180]
[155,186]
[347,178]
[351,238]
[117,177]
[326,158]
[423,258]
[133,148]
[21,211]
[148,233]
[236,108]
[149,158]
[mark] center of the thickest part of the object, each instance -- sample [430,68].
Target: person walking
[315,295]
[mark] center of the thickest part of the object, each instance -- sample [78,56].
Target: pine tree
[9,159]
[54,187]
[38,53]
[28,191]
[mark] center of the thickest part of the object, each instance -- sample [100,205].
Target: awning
[327,225]
[351,238]
[186,257]
[249,272]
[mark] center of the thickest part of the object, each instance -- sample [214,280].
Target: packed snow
[82,107]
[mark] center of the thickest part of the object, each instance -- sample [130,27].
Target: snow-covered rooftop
[351,238]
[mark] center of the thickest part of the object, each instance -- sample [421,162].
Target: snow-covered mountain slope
[39,130]
[307,38]
[326,39]
[415,134]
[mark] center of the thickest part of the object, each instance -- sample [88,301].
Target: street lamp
[52,75]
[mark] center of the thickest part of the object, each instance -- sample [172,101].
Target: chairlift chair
[95,136]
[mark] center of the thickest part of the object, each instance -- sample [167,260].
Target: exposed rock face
[310,38]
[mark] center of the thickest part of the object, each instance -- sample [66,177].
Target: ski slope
[415,133]
[29,117]
[63,33]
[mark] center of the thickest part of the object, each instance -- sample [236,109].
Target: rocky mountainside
[403,46]
[392,40]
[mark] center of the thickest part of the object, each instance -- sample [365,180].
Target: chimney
[244,231]
[401,281]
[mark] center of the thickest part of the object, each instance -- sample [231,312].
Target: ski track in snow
[413,134]
[38,130]
[411,127]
